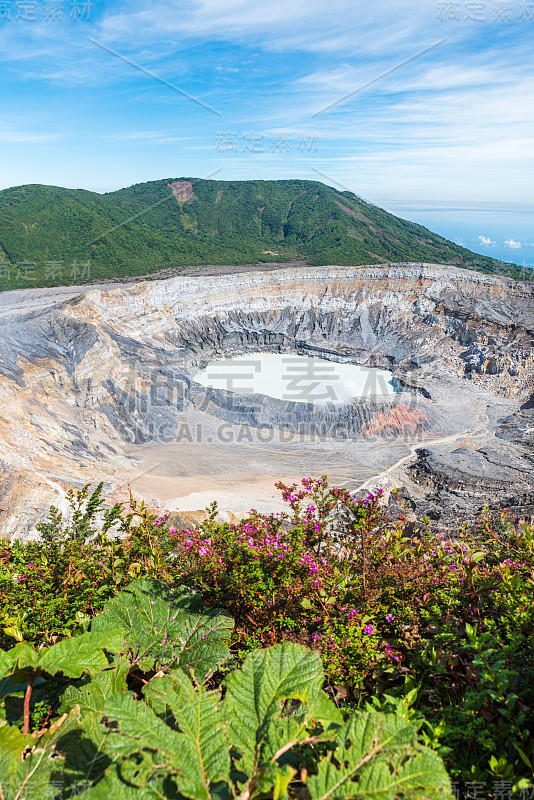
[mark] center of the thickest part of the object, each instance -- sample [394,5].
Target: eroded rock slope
[87,380]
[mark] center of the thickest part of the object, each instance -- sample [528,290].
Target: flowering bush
[439,621]
[289,576]
[48,586]
[390,614]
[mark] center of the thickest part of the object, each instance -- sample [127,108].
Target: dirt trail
[443,440]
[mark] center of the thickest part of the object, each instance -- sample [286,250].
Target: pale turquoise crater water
[300,379]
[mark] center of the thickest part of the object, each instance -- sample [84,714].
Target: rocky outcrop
[84,380]
[458,481]
[519,427]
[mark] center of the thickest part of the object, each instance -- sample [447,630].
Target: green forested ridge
[52,236]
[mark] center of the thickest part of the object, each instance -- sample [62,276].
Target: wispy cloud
[456,124]
[12,135]
[152,137]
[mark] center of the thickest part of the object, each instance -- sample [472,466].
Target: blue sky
[444,136]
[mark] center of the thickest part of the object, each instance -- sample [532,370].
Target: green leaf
[283,778]
[81,654]
[112,785]
[18,657]
[139,723]
[86,759]
[196,755]
[204,745]
[163,629]
[27,766]
[260,722]
[524,758]
[72,656]
[93,695]
[15,632]
[377,756]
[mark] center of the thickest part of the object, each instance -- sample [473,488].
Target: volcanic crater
[99,384]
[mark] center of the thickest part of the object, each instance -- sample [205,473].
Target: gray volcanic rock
[519,427]
[459,481]
[86,381]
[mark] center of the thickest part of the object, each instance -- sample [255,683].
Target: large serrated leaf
[195,756]
[81,654]
[139,723]
[377,756]
[71,656]
[196,712]
[259,723]
[91,697]
[167,630]
[29,764]
[112,785]
[18,657]
[86,759]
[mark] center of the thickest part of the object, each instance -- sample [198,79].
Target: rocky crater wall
[82,380]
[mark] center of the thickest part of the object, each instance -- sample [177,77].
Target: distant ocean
[507,231]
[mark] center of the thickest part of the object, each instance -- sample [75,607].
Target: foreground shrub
[48,586]
[137,716]
[397,613]
[447,621]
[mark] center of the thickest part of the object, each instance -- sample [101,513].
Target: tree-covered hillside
[52,236]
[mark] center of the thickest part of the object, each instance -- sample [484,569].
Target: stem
[49,714]
[27,698]
[364,566]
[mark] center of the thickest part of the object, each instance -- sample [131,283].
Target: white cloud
[453,124]
[512,244]
[485,242]
[16,135]
[157,137]
[306,25]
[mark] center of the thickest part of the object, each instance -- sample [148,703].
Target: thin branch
[27,698]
